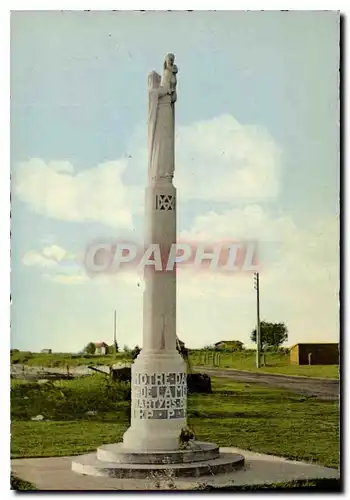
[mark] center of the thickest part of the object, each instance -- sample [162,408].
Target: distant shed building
[314,354]
[101,348]
[229,345]
[46,351]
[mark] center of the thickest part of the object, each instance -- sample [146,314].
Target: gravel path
[321,388]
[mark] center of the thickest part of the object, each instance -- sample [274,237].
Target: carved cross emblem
[165,202]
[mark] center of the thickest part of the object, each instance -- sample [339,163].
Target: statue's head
[169,60]
[154,80]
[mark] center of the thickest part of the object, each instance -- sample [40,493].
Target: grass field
[244,360]
[20,485]
[265,420]
[275,363]
[64,359]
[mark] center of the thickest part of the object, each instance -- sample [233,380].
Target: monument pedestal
[158,402]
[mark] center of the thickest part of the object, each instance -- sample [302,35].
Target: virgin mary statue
[160,129]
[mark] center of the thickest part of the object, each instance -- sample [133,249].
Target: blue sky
[256,157]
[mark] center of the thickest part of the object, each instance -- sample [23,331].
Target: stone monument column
[159,380]
[151,446]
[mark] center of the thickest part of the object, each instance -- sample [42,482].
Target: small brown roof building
[101,348]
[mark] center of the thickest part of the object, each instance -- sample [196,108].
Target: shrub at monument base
[121,374]
[199,383]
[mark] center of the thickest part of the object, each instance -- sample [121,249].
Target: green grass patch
[69,400]
[63,360]
[268,420]
[318,485]
[20,485]
[276,362]
[248,416]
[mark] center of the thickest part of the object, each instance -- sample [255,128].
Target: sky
[257,157]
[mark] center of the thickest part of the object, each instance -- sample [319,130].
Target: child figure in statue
[169,75]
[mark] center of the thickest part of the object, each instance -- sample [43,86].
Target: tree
[90,348]
[272,334]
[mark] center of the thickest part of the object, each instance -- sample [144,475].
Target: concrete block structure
[314,354]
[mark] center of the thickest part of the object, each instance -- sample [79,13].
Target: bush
[121,374]
[69,399]
[199,383]
[18,357]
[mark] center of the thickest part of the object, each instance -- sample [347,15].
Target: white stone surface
[156,428]
[161,121]
[158,408]
[90,465]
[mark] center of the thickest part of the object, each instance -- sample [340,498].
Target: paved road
[323,389]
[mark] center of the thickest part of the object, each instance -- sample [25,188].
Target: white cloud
[54,252]
[63,266]
[223,160]
[48,256]
[96,194]
[61,166]
[249,222]
[66,279]
[217,160]
[220,160]
[35,259]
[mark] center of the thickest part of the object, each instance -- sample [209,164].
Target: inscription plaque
[159,395]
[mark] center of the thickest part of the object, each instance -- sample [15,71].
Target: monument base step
[90,465]
[196,452]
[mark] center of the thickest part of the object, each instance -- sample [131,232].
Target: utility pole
[115,334]
[258,332]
